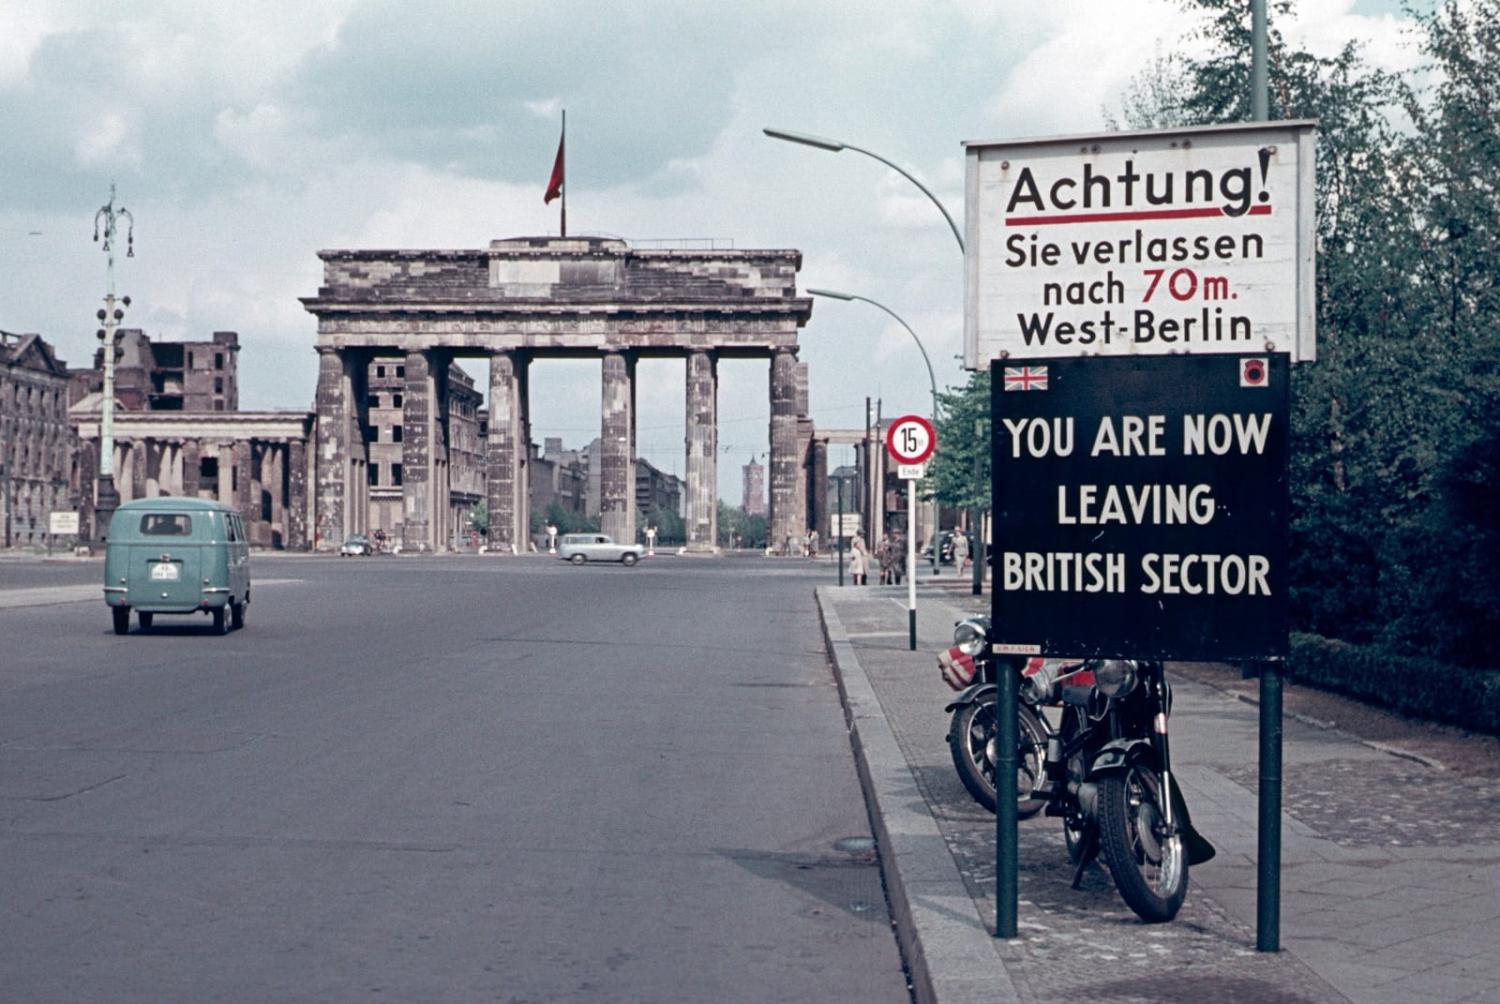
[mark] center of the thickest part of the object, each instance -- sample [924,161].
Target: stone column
[505,454]
[617,462]
[441,490]
[296,490]
[332,449]
[243,480]
[151,485]
[192,468]
[225,453]
[818,492]
[702,469]
[276,483]
[787,516]
[416,453]
[174,471]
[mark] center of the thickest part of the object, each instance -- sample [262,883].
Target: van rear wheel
[221,621]
[122,619]
[237,615]
[578,559]
[145,619]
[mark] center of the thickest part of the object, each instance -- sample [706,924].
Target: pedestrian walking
[885,554]
[859,561]
[961,551]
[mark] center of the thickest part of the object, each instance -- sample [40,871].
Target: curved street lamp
[834,146]
[836,295]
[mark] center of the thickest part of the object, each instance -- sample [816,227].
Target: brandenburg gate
[532,297]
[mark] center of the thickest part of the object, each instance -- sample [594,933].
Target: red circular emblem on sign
[910,439]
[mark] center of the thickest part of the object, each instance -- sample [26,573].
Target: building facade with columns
[528,298]
[258,462]
[36,453]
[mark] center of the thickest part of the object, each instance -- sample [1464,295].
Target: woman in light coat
[859,561]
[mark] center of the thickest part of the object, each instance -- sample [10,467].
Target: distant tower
[755,489]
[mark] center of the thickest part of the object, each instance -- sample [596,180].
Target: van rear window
[167,524]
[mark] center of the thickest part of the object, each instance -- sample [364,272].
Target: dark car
[945,549]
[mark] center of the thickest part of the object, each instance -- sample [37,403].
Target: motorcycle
[1105,770]
[969,667]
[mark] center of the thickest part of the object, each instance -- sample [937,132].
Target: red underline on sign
[1143,214]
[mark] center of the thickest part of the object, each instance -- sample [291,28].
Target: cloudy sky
[246,137]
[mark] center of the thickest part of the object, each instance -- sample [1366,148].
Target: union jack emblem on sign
[1025,378]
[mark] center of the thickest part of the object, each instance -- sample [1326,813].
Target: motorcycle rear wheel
[1150,870]
[970,736]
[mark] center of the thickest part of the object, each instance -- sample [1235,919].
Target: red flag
[554,186]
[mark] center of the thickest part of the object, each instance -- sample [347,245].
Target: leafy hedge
[1469,698]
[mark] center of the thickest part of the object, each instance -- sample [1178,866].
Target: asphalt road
[431,779]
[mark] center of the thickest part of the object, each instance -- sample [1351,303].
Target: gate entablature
[530,297]
[553,294]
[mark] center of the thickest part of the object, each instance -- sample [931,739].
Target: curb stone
[947,948]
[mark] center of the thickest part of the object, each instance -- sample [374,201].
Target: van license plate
[164,571]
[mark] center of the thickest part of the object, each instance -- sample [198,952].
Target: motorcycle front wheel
[971,740]
[1149,868]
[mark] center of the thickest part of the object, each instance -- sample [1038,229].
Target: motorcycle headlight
[969,638]
[1114,677]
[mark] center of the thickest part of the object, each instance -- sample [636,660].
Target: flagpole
[565,175]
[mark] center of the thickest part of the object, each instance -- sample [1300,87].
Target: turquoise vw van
[174,555]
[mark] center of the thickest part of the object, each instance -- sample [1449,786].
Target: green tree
[1395,437]
[568,521]
[670,528]
[1448,554]
[735,523]
[479,517]
[959,474]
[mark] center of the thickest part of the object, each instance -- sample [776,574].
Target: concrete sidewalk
[1391,868]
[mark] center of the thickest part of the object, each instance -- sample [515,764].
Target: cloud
[107,139]
[245,137]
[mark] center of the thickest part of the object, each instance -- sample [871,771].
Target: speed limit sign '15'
[910,439]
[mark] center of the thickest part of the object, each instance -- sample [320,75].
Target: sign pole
[911,561]
[1007,828]
[910,440]
[839,532]
[1268,842]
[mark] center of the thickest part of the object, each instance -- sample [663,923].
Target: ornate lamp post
[931,379]
[106,498]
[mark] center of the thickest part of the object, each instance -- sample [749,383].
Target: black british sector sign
[1141,506]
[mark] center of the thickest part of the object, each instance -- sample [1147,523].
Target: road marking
[875,634]
[46,596]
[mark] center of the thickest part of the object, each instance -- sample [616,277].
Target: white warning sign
[1162,242]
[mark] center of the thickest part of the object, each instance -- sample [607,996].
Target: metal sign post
[838,532]
[911,562]
[910,441]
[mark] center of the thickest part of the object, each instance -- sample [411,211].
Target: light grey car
[584,547]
